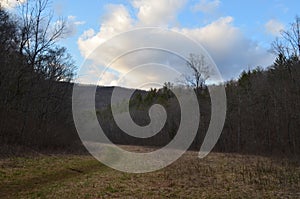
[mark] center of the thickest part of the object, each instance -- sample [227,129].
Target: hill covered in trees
[36,90]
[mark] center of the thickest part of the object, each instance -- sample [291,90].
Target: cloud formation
[9,4]
[157,13]
[228,46]
[72,24]
[274,27]
[207,6]
[117,20]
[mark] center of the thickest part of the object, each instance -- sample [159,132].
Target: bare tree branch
[199,71]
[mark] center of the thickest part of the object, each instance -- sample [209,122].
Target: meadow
[216,176]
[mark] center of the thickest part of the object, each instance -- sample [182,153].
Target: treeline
[263,106]
[35,75]
[262,113]
[35,102]
[139,106]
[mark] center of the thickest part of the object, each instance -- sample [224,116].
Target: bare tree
[34,72]
[56,65]
[39,32]
[288,45]
[199,70]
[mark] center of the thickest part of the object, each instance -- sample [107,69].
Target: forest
[36,81]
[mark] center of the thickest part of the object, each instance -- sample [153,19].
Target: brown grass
[216,176]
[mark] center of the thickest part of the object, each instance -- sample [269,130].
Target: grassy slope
[218,175]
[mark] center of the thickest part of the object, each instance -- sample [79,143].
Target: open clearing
[216,176]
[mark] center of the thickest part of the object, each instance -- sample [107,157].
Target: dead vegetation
[216,176]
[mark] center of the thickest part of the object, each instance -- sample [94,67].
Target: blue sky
[237,34]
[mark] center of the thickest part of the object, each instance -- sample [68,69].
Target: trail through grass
[216,176]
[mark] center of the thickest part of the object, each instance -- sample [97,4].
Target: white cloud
[117,20]
[157,13]
[206,6]
[274,27]
[229,47]
[93,74]
[108,79]
[72,24]
[9,4]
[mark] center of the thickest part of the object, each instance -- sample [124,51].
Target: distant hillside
[103,94]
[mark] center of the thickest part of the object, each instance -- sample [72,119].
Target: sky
[236,34]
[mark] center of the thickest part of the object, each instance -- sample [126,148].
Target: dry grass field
[216,176]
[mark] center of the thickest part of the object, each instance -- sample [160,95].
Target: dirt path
[216,176]
[23,178]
